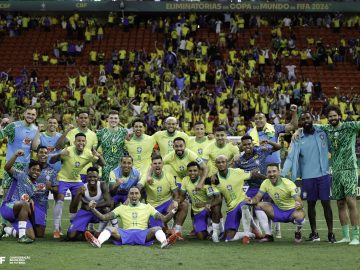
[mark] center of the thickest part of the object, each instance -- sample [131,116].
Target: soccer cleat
[257,232]
[313,237]
[344,240]
[191,234]
[278,234]
[331,238]
[267,238]
[246,240]
[56,235]
[2,230]
[169,241]
[179,236]
[92,240]
[25,240]
[354,242]
[298,237]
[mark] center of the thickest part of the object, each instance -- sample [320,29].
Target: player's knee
[341,204]
[260,205]
[184,206]
[299,214]
[155,229]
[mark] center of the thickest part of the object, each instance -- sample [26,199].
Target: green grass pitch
[190,254]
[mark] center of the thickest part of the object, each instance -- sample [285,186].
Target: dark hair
[40,147]
[138,120]
[81,112]
[113,112]
[179,139]
[332,108]
[33,163]
[273,165]
[199,123]
[136,188]
[31,107]
[246,137]
[220,129]
[80,134]
[52,117]
[307,112]
[192,164]
[92,169]
[154,157]
[126,156]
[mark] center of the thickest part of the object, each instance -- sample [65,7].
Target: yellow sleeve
[112,177]
[118,210]
[151,210]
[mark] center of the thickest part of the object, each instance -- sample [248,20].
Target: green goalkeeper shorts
[344,184]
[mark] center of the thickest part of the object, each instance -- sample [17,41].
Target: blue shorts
[6,211]
[83,178]
[119,199]
[162,209]
[73,186]
[40,215]
[133,237]
[233,218]
[201,221]
[252,191]
[313,189]
[282,215]
[81,220]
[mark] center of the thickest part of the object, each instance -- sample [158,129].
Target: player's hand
[20,153]
[293,108]
[69,127]
[41,127]
[65,153]
[248,200]
[81,190]
[129,136]
[210,136]
[298,205]
[175,206]
[199,186]
[120,181]
[95,153]
[149,180]
[48,185]
[264,142]
[208,207]
[5,121]
[296,136]
[92,204]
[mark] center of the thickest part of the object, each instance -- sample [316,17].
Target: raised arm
[294,119]
[103,217]
[60,144]
[169,216]
[9,165]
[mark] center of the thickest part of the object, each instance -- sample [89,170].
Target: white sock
[58,214]
[115,223]
[216,229]
[22,228]
[221,225]
[10,231]
[270,225]
[104,236]
[102,226]
[277,226]
[263,220]
[160,236]
[178,228]
[170,224]
[246,219]
[240,235]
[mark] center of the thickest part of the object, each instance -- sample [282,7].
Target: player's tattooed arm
[169,215]
[103,217]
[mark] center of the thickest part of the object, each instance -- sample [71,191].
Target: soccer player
[162,193]
[68,137]
[165,138]
[201,200]
[201,141]
[93,190]
[287,206]
[74,159]
[122,179]
[140,146]
[229,183]
[135,218]
[20,135]
[16,207]
[176,162]
[308,158]
[112,142]
[219,147]
[253,159]
[49,139]
[44,183]
[342,138]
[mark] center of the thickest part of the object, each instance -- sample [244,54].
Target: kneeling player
[93,190]
[135,218]
[287,206]
[17,206]
[201,200]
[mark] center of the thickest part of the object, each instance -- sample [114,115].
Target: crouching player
[17,206]
[135,218]
[93,190]
[287,206]
[201,200]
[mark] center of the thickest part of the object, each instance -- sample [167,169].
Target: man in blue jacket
[308,159]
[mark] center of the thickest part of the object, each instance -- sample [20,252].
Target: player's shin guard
[58,214]
[263,220]
[246,219]
[216,232]
[114,223]
[160,236]
[104,236]
[22,228]
[299,224]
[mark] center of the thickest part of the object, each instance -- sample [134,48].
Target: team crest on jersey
[170,144]
[159,189]
[200,151]
[229,187]
[77,164]
[336,134]
[47,177]
[322,137]
[134,215]
[139,150]
[27,141]
[113,140]
[194,192]
[182,168]
[50,149]
[257,162]
[277,196]
[210,189]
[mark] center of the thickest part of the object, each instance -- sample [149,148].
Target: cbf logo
[194,192]
[77,164]
[200,151]
[182,168]
[2,260]
[277,196]
[139,150]
[170,144]
[159,189]
[134,215]
[229,187]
